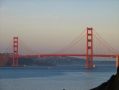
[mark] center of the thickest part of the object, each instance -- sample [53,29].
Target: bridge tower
[15,51]
[89,47]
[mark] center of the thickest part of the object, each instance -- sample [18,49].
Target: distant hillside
[50,61]
[54,61]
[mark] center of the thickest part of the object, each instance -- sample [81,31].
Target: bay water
[68,77]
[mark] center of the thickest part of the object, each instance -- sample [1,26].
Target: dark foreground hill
[111,84]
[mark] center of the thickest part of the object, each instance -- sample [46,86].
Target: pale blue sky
[49,25]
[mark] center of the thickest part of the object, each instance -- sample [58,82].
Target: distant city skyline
[46,25]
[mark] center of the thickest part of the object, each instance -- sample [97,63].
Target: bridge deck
[64,55]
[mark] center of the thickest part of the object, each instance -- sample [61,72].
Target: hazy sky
[46,25]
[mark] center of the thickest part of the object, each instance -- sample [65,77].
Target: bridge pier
[117,61]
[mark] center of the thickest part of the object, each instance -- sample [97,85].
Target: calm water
[73,77]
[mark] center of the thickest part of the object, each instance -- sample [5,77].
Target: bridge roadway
[64,55]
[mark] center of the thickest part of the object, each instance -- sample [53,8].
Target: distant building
[5,59]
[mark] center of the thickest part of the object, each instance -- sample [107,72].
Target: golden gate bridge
[89,50]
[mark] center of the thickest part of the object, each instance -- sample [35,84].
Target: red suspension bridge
[89,50]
